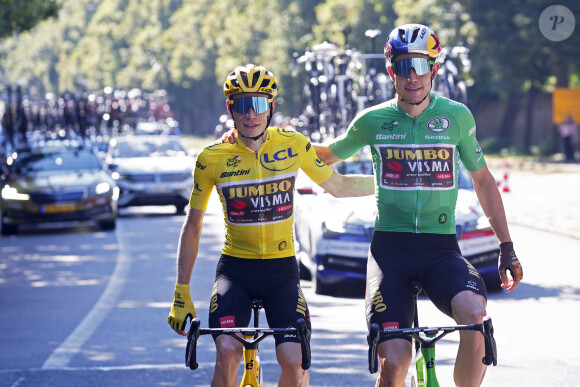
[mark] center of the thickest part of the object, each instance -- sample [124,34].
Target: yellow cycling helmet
[251,79]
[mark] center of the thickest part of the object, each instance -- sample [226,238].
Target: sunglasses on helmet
[402,67]
[242,104]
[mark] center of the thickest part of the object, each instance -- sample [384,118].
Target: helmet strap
[255,137]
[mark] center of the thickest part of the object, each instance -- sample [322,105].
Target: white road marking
[62,355]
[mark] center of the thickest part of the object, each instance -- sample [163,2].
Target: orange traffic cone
[506,169]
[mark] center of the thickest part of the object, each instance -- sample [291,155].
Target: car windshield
[148,148]
[58,160]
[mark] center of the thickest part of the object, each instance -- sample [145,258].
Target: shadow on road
[530,292]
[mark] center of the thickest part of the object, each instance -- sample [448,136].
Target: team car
[151,170]
[57,182]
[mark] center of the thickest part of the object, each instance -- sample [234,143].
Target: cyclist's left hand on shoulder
[509,262]
[181,310]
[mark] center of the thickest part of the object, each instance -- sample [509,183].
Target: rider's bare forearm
[325,154]
[188,246]
[491,202]
[342,186]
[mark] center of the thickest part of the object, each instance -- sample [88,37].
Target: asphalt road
[82,307]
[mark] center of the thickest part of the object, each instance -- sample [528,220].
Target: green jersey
[416,161]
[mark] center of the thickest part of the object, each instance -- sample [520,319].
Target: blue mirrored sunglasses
[402,67]
[242,104]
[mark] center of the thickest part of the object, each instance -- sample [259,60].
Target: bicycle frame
[250,339]
[424,358]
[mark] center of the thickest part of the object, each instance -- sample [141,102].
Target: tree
[17,16]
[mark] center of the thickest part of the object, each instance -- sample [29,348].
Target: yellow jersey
[256,190]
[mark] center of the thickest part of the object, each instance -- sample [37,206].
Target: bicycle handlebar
[486,329]
[255,335]
[490,347]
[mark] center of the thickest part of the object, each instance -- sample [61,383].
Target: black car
[57,182]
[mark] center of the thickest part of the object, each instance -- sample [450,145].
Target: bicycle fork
[425,366]
[252,370]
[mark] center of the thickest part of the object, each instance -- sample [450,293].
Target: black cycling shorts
[396,259]
[274,281]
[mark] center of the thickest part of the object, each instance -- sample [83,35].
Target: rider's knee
[469,308]
[394,361]
[289,357]
[228,351]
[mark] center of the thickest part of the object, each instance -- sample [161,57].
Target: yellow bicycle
[250,339]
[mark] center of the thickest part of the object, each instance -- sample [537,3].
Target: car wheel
[304,272]
[9,229]
[108,224]
[319,286]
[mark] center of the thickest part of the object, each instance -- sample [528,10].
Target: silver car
[151,170]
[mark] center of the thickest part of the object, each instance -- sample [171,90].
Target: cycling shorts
[396,259]
[275,281]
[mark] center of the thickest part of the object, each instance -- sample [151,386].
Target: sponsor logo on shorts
[390,325]
[301,306]
[228,322]
[472,285]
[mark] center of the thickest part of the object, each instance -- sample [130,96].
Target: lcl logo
[279,156]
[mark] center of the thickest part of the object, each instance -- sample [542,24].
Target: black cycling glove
[509,262]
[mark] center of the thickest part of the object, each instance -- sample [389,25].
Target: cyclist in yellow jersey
[254,178]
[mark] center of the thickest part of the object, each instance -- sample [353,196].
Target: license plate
[156,189]
[56,208]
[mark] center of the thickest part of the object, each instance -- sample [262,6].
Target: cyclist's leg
[389,303]
[229,307]
[464,299]
[469,308]
[227,363]
[289,357]
[284,304]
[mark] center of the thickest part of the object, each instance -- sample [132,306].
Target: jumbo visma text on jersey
[256,190]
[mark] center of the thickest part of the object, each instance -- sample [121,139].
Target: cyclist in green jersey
[254,178]
[417,140]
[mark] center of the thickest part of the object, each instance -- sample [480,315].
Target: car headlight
[11,193]
[118,175]
[102,188]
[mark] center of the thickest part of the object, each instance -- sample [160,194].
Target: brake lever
[191,349]
[490,346]
[304,336]
[373,341]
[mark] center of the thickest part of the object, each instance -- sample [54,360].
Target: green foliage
[17,16]
[189,46]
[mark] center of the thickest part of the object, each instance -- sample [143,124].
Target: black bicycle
[250,339]
[425,339]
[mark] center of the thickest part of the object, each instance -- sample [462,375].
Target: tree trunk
[510,115]
[529,126]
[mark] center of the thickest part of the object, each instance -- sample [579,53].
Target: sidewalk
[544,196]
